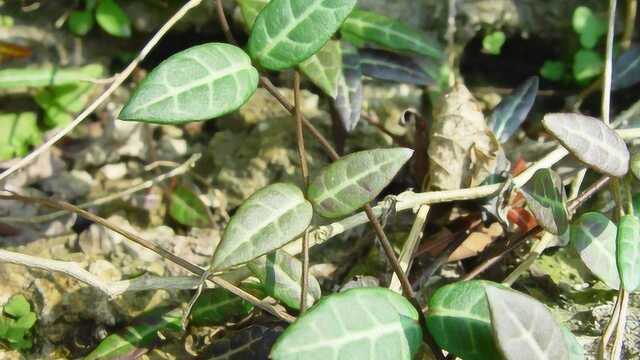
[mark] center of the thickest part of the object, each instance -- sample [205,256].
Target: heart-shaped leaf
[47,76]
[390,33]
[250,10]
[324,68]
[593,236]
[547,201]
[217,306]
[587,64]
[253,342]
[17,306]
[348,102]
[287,32]
[628,252]
[384,65]
[459,320]
[354,180]
[130,341]
[60,103]
[112,19]
[523,325]
[187,209]
[626,69]
[355,324]
[18,131]
[267,220]
[591,141]
[492,43]
[202,82]
[281,275]
[507,117]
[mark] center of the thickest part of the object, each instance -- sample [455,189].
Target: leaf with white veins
[281,275]
[354,180]
[267,220]
[591,141]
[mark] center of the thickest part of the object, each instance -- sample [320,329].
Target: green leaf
[187,209]
[628,252]
[459,320]
[80,22]
[61,103]
[492,43]
[267,220]
[512,111]
[626,69]
[202,82]
[18,132]
[26,321]
[553,70]
[113,19]
[384,65]
[348,102]
[140,335]
[354,180]
[391,34]
[547,201]
[587,64]
[324,68]
[591,141]
[217,306]
[523,325]
[590,27]
[593,236]
[288,32]
[250,10]
[355,324]
[39,77]
[17,306]
[281,275]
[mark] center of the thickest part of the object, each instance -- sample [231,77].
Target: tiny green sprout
[492,43]
[16,322]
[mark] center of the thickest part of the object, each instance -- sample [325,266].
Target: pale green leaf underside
[593,236]
[187,209]
[281,276]
[354,180]
[591,141]
[250,10]
[288,32]
[524,328]
[202,82]
[349,97]
[324,68]
[389,33]
[546,198]
[39,77]
[363,323]
[459,320]
[267,220]
[628,252]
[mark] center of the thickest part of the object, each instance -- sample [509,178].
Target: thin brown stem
[268,85]
[305,272]
[222,19]
[404,281]
[299,135]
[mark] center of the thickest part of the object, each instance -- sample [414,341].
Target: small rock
[105,271]
[68,185]
[114,171]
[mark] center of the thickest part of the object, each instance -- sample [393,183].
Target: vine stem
[193,268]
[304,281]
[117,81]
